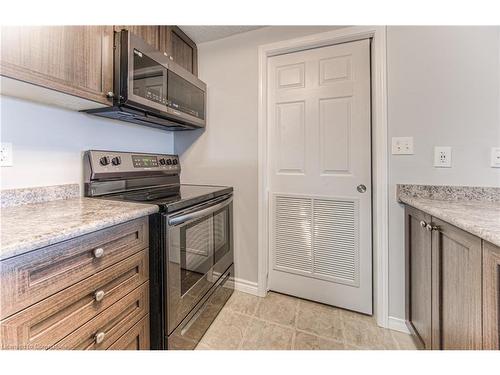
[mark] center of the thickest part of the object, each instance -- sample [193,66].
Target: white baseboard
[397,324]
[245,286]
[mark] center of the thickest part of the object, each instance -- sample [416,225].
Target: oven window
[185,97]
[221,233]
[149,78]
[196,250]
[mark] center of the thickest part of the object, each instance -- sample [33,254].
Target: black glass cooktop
[173,198]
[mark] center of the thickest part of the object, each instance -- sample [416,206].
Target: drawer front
[136,338]
[107,327]
[43,324]
[29,278]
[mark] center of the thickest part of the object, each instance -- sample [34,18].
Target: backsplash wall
[48,142]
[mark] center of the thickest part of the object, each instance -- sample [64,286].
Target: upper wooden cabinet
[76,60]
[183,50]
[168,39]
[150,33]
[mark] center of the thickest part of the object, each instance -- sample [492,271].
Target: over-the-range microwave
[150,89]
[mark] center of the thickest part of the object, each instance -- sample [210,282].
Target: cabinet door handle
[99,295]
[99,337]
[99,252]
[423,224]
[431,227]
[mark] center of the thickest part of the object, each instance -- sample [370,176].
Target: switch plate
[402,145]
[495,157]
[6,154]
[442,157]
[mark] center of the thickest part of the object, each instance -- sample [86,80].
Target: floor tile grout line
[254,315]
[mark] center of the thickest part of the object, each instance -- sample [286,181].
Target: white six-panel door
[319,156]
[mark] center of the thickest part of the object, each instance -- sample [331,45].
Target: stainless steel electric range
[191,240]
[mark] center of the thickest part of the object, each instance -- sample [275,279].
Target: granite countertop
[476,216]
[32,226]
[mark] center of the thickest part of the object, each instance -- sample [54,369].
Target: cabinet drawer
[107,327]
[136,338]
[45,323]
[31,277]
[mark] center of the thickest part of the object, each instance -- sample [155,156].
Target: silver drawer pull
[423,224]
[99,337]
[99,295]
[99,252]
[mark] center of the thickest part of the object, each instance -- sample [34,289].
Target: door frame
[380,189]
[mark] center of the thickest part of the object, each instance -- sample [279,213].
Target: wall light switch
[442,157]
[402,145]
[495,157]
[6,154]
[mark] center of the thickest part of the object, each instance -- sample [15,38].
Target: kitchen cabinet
[180,47]
[75,60]
[89,292]
[150,33]
[491,296]
[456,289]
[418,276]
[452,285]
[170,40]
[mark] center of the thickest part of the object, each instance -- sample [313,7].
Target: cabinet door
[418,276]
[150,33]
[76,60]
[491,296]
[183,50]
[456,289]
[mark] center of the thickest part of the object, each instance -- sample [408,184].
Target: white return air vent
[317,237]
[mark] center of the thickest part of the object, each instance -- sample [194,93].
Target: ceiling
[200,34]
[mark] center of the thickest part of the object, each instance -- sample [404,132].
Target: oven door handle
[176,220]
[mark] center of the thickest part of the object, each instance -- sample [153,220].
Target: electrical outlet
[442,157]
[402,145]
[495,157]
[6,155]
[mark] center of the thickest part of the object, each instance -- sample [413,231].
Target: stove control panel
[113,162]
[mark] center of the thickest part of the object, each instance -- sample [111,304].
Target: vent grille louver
[317,237]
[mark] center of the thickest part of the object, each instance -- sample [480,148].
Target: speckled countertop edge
[60,220]
[478,217]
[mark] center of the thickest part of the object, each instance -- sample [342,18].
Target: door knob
[361,188]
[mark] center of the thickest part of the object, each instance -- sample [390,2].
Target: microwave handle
[198,214]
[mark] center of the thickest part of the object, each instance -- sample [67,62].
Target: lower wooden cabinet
[136,338]
[418,277]
[90,292]
[456,289]
[452,285]
[491,296]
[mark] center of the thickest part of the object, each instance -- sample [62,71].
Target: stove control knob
[169,161]
[175,162]
[104,160]
[116,160]
[162,162]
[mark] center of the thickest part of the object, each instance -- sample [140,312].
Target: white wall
[48,142]
[443,89]
[226,152]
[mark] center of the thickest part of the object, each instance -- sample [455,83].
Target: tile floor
[283,322]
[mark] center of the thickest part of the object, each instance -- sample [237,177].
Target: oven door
[197,254]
